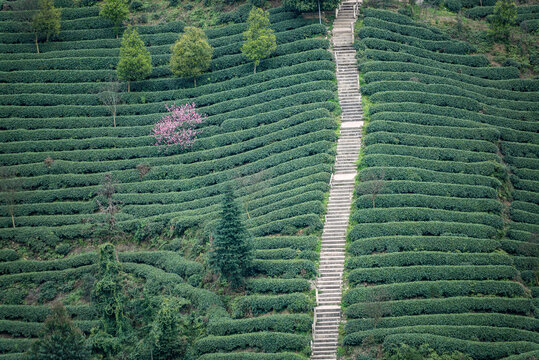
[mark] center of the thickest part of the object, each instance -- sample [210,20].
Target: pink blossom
[177,127]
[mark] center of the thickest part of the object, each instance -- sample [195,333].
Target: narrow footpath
[327,314]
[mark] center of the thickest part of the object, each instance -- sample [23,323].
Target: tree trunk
[37,45]
[195,80]
[373,201]
[114,118]
[255,67]
[13,220]
[128,86]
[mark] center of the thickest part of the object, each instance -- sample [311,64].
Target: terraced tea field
[271,135]
[444,248]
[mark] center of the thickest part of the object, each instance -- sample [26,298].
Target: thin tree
[372,184]
[116,11]
[135,60]
[111,97]
[504,16]
[259,39]
[9,186]
[191,54]
[231,253]
[251,184]
[46,21]
[59,339]
[110,207]
[376,306]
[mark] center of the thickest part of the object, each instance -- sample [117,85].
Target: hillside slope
[443,249]
[271,135]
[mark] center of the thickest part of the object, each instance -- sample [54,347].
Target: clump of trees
[231,253]
[191,54]
[259,40]
[135,60]
[505,15]
[46,22]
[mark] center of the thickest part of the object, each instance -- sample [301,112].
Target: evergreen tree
[46,21]
[191,54]
[60,339]
[167,341]
[232,253]
[505,15]
[116,11]
[259,39]
[135,60]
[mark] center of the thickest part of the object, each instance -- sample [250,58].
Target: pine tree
[60,339]
[191,54]
[135,60]
[505,15]
[232,253]
[116,11]
[46,21]
[259,39]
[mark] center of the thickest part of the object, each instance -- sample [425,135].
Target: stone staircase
[327,314]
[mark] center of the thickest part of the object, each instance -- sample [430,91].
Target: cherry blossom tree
[178,127]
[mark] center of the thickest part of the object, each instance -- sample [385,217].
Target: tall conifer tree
[232,254]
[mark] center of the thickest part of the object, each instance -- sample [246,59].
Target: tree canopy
[116,11]
[505,14]
[135,60]
[59,339]
[259,39]
[46,22]
[191,54]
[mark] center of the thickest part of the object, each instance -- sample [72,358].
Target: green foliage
[166,341]
[405,352]
[310,5]
[46,21]
[135,60]
[59,339]
[191,54]
[108,292]
[504,16]
[116,11]
[231,253]
[259,39]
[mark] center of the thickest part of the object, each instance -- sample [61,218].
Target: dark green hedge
[262,304]
[288,323]
[408,258]
[395,244]
[475,349]
[481,319]
[478,333]
[377,134]
[440,288]
[252,356]
[38,313]
[262,341]
[295,242]
[430,273]
[383,215]
[277,286]
[483,307]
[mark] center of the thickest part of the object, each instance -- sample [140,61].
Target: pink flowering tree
[177,128]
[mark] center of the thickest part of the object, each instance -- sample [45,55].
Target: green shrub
[297,323]
[453,5]
[265,341]
[261,304]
